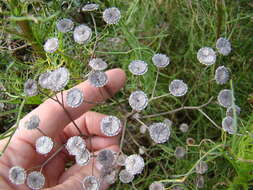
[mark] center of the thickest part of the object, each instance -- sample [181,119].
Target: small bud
[138,100]
[65,25]
[75,145]
[111,15]
[105,157]
[125,176]
[160,60]
[97,79]
[142,150]
[223,46]
[178,88]
[225,98]
[143,129]
[31,88]
[17,175]
[134,164]
[184,127]
[74,98]
[82,34]
[179,152]
[221,75]
[190,141]
[51,45]
[90,7]
[201,167]
[44,145]
[228,125]
[206,56]
[156,186]
[138,67]
[83,157]
[32,123]
[91,183]
[35,180]
[110,126]
[98,64]
[159,132]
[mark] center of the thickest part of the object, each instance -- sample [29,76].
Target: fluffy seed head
[178,88]
[221,75]
[156,186]
[32,123]
[223,46]
[58,79]
[105,157]
[91,183]
[184,127]
[65,25]
[17,175]
[35,180]
[111,15]
[44,145]
[83,157]
[160,60]
[75,145]
[82,34]
[98,64]
[179,152]
[110,126]
[97,78]
[230,111]
[134,164]
[228,125]
[90,7]
[125,176]
[201,167]
[225,98]
[51,45]
[74,98]
[30,88]
[44,80]
[138,67]
[206,56]
[200,182]
[159,132]
[138,100]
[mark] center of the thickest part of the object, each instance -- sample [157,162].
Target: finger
[53,117]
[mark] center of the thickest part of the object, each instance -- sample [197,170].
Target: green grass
[177,28]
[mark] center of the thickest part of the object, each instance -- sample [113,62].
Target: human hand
[55,124]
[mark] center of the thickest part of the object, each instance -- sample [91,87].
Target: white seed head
[178,88]
[44,80]
[206,56]
[156,186]
[134,164]
[30,88]
[51,45]
[142,150]
[221,75]
[44,145]
[98,64]
[230,111]
[97,78]
[184,127]
[32,123]
[105,157]
[228,125]
[200,182]
[160,60]
[225,98]
[125,176]
[65,25]
[75,145]
[223,46]
[201,167]
[138,67]
[159,132]
[121,159]
[179,152]
[83,157]
[35,180]
[90,7]
[58,79]
[168,122]
[143,129]
[138,100]
[74,98]
[110,126]
[17,175]
[91,183]
[111,15]
[82,34]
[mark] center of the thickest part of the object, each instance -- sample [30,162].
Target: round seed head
[30,88]
[75,145]
[125,176]
[97,79]
[159,132]
[65,25]
[143,129]
[228,125]
[138,67]
[200,182]
[138,100]
[17,175]
[121,160]
[111,15]
[201,167]
[32,123]
[184,127]
[221,75]
[98,64]
[105,157]
[82,34]
[134,164]
[35,180]
[178,88]
[206,56]
[230,111]
[111,178]
[179,152]
[58,79]
[223,46]
[156,186]
[168,122]
[110,126]
[161,60]
[44,80]
[83,157]
[74,98]
[225,98]
[51,45]
[44,145]
[91,183]
[90,7]
[190,141]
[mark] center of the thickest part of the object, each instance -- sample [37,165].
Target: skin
[55,123]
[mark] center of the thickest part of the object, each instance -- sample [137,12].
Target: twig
[201,111]
[156,78]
